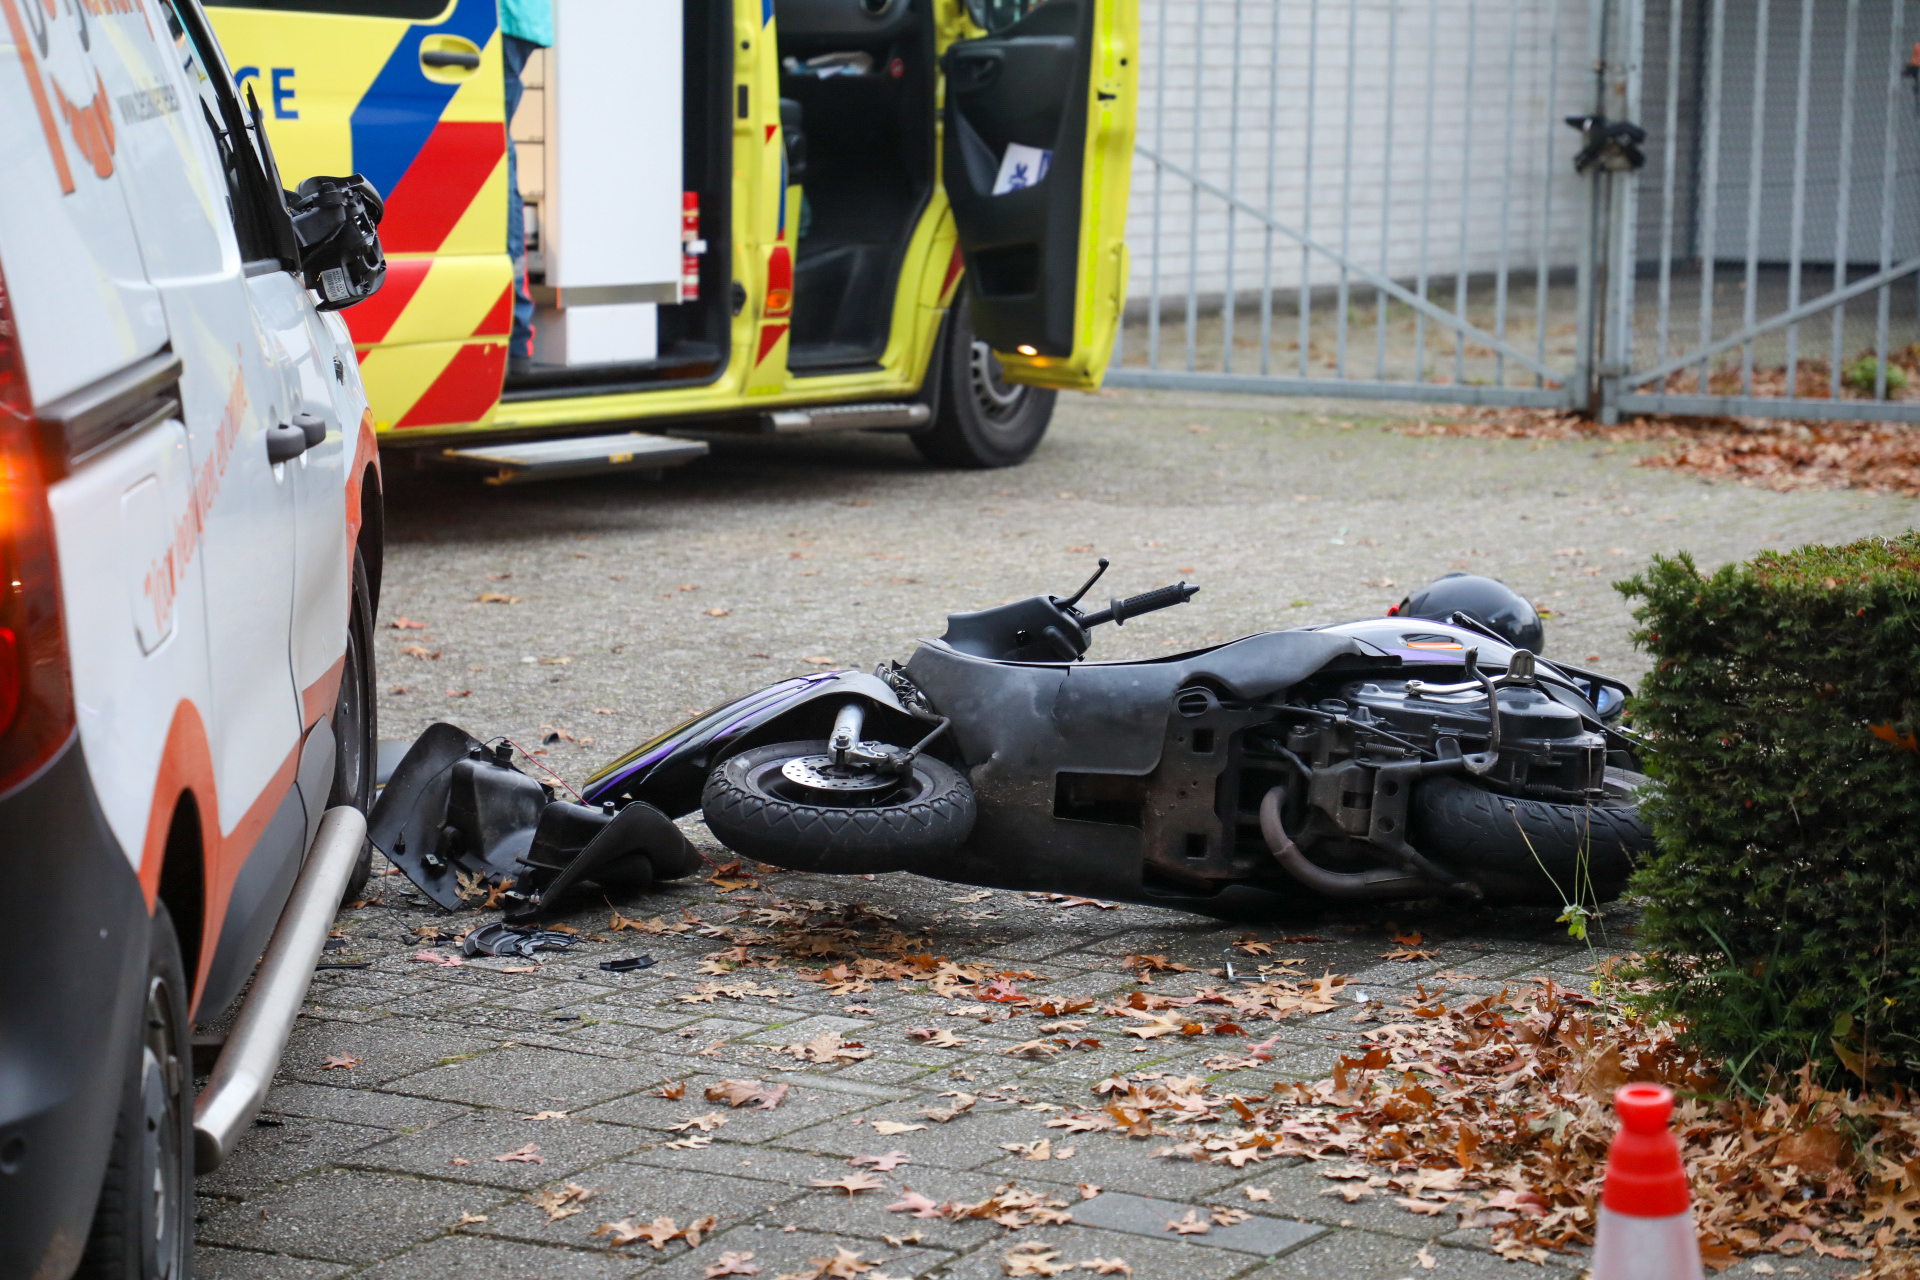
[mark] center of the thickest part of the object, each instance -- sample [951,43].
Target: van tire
[143,1222]
[983,421]
[356,723]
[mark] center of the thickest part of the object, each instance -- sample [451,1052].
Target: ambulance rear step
[580,456]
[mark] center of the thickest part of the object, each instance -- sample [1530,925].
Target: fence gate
[1768,255]
[1379,199]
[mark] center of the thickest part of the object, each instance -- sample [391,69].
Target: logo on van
[91,126]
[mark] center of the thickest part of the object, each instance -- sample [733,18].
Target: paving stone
[1150,1258]
[801,1030]
[553,996]
[1143,1215]
[387,1051]
[346,1216]
[866,1214]
[764,1162]
[777,1252]
[534,1079]
[390,1111]
[274,1149]
[1121,1164]
[1365,1255]
[638,1193]
[881,1071]
[466,1255]
[803,1107]
[564,1147]
[966,1142]
[1301,1192]
[239,1264]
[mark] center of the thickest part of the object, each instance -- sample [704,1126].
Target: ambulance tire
[143,1221]
[984,420]
[356,723]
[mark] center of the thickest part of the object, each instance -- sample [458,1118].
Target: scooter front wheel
[756,805]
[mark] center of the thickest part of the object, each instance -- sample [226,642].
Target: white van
[190,538]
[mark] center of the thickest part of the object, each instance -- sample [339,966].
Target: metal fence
[1378,199]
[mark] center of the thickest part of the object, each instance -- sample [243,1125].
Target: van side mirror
[334,219]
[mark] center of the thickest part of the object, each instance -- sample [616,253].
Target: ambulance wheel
[984,420]
[143,1222]
[356,723]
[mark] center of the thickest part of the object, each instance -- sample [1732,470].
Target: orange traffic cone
[1646,1225]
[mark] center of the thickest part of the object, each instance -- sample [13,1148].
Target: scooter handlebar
[1118,611]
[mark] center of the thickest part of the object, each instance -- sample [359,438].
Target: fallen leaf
[883,1164]
[1032,1049]
[467,1219]
[1425,1257]
[1088,1190]
[546,1115]
[495,597]
[1191,1225]
[1033,1259]
[656,1233]
[852,1183]
[914,1203]
[704,1123]
[1259,1194]
[1223,1217]
[718,613]
[563,1203]
[1041,1150]
[676,1091]
[340,1062]
[528,1154]
[894,1128]
[827,1047]
[418,651]
[1430,1208]
[732,1264]
[435,957]
[407,624]
[738,1093]
[1107,1266]
[963,1103]
[938,1037]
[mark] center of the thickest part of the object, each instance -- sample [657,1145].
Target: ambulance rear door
[411,94]
[1036,156]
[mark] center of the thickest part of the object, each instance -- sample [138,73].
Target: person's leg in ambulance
[525,25]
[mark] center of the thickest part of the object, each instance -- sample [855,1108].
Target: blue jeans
[514,53]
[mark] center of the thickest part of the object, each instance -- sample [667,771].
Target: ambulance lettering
[162,581]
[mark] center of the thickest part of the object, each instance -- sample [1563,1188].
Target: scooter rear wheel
[1534,851]
[756,809]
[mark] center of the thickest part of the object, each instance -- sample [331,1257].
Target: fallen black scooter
[1253,778]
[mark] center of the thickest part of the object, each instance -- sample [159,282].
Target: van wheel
[984,420]
[143,1223]
[356,723]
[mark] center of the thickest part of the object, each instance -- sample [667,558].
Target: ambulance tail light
[36,697]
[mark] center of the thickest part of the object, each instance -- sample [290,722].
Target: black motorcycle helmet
[1488,601]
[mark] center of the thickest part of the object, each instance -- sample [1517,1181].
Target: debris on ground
[502,939]
[1497,1108]
[1772,453]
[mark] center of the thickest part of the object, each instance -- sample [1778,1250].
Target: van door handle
[285,442]
[449,58]
[313,427]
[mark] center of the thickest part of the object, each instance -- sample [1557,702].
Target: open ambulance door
[1037,153]
[411,94]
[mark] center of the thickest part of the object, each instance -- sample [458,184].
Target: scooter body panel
[669,771]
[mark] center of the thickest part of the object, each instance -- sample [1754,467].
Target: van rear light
[36,695]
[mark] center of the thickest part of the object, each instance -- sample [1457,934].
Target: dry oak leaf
[467,1219]
[938,1037]
[738,1093]
[1033,1259]
[529,1154]
[718,613]
[340,1062]
[407,624]
[1428,1207]
[843,1265]
[732,1264]
[1107,1266]
[1041,1150]
[1032,1049]
[852,1183]
[883,1164]
[962,1103]
[827,1047]
[495,597]
[434,957]
[706,1123]
[913,1202]
[546,1115]
[1425,1257]
[1224,1217]
[1088,1190]
[894,1128]
[676,1091]
[1191,1225]
[563,1203]
[1259,1194]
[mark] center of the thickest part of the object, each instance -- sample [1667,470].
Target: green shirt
[531,20]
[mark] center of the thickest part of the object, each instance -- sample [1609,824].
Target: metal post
[1228,292]
[1386,193]
[1622,98]
[1159,149]
[1797,231]
[1466,198]
[1710,216]
[1889,149]
[1273,149]
[1756,157]
[1844,213]
[1193,191]
[1305,295]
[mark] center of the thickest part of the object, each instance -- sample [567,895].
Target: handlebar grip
[1118,611]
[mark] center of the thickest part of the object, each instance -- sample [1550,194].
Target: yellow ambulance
[743,216]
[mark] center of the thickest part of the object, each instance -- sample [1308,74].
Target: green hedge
[1783,904]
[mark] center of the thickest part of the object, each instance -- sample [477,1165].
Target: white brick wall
[1434,125]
